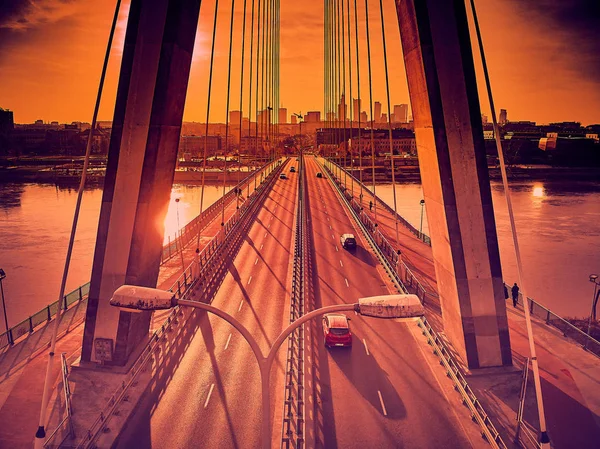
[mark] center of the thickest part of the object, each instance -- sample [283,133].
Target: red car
[336,330]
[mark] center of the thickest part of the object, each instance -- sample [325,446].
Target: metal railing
[185,285]
[170,249]
[68,408]
[478,414]
[420,235]
[568,330]
[293,423]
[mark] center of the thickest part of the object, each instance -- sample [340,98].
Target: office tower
[282,115]
[383,118]
[312,117]
[377,117]
[503,119]
[293,120]
[363,118]
[235,117]
[342,109]
[401,113]
[355,109]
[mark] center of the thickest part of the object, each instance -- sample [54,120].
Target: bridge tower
[141,163]
[443,92]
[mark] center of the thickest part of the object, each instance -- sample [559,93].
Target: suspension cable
[544,439]
[210,77]
[371,109]
[387,87]
[241,102]
[41,433]
[356,34]
[352,110]
[225,168]
[250,96]
[345,147]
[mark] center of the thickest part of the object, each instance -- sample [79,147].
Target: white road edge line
[241,304]
[364,341]
[249,280]
[382,404]
[229,339]
[347,285]
[212,386]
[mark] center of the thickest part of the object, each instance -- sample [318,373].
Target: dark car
[336,330]
[282,176]
[319,174]
[293,169]
[348,241]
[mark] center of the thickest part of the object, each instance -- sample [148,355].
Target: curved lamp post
[134,299]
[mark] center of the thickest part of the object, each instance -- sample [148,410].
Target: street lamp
[594,279]
[422,202]
[132,298]
[2,276]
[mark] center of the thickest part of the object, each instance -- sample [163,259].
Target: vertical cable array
[356,33]
[387,88]
[374,201]
[351,99]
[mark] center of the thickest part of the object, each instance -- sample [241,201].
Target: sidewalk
[570,376]
[23,366]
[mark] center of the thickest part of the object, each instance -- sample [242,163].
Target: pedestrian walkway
[23,366]
[570,376]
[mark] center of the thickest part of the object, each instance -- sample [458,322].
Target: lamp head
[593,277]
[132,298]
[2,274]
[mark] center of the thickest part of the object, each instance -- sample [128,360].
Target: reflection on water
[558,225]
[35,224]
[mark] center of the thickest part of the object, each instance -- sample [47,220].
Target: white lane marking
[341,264]
[327,218]
[256,261]
[269,226]
[347,285]
[249,280]
[261,246]
[241,304]
[212,386]
[364,341]
[265,234]
[330,227]
[382,404]
[271,217]
[332,236]
[229,339]
[336,248]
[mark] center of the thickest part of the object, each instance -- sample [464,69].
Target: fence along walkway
[181,239]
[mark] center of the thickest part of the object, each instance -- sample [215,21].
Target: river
[558,225]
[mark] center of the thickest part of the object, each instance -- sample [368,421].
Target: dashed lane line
[229,339]
[347,285]
[249,280]
[382,404]
[212,386]
[241,304]
[364,342]
[341,264]
[336,248]
[256,261]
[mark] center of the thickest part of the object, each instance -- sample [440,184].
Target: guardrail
[69,410]
[170,249]
[293,424]
[422,236]
[210,256]
[588,343]
[478,414]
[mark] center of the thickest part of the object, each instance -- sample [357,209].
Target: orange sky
[542,61]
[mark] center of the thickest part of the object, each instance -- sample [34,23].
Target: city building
[7,126]
[342,109]
[503,118]
[363,117]
[312,117]
[377,117]
[191,147]
[400,113]
[355,109]
[235,117]
[282,116]
[293,120]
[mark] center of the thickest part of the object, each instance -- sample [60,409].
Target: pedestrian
[505,291]
[515,294]
[370,205]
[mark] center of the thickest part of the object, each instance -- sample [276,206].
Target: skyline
[51,54]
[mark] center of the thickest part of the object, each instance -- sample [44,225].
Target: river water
[558,225]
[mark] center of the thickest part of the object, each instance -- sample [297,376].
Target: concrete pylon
[447,120]
[142,155]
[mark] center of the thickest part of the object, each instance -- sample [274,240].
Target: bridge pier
[447,118]
[141,162]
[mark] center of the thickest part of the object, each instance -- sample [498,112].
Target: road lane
[212,398]
[380,393]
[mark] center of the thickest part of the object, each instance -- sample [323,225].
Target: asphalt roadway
[381,393]
[212,399]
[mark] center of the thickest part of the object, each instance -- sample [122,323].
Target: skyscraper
[293,119]
[355,109]
[377,117]
[503,119]
[363,118]
[312,117]
[235,117]
[401,113]
[282,115]
[342,109]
